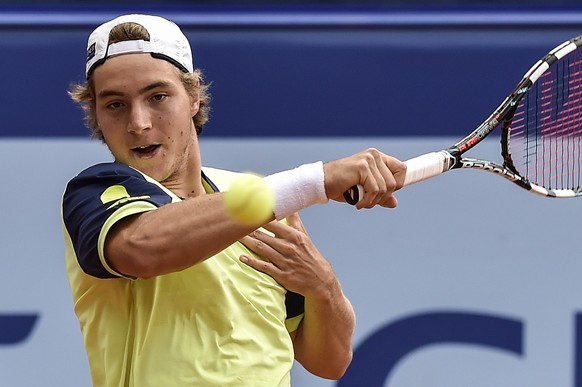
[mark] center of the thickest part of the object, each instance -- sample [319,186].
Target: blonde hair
[84,93]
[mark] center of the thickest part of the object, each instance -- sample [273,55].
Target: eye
[159,97]
[114,105]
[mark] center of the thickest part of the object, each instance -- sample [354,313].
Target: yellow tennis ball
[250,200]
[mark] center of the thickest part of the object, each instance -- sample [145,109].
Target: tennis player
[169,290]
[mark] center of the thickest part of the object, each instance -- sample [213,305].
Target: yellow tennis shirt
[218,323]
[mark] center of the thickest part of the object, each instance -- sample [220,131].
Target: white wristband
[297,188]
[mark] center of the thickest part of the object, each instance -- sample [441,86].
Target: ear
[194,107]
[195,100]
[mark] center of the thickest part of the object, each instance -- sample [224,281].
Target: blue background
[304,72]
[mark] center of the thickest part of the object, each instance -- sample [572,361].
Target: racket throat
[453,159]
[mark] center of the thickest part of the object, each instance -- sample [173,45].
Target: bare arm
[179,235]
[323,341]
[172,237]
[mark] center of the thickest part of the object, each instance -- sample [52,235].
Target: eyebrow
[112,93]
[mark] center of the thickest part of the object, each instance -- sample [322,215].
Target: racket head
[546,105]
[541,137]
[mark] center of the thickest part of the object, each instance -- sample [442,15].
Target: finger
[247,240]
[379,182]
[398,170]
[269,247]
[295,222]
[259,243]
[389,202]
[389,173]
[275,227]
[282,229]
[260,265]
[285,229]
[395,172]
[375,188]
[387,183]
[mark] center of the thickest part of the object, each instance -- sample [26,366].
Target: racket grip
[426,166]
[417,169]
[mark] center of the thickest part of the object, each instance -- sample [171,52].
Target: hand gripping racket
[541,132]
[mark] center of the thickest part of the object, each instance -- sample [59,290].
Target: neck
[189,184]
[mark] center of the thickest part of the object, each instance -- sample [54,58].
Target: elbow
[135,260]
[130,252]
[142,269]
[339,370]
[332,370]
[134,267]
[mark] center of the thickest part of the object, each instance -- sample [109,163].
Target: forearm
[323,342]
[173,237]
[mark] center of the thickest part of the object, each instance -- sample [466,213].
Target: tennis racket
[541,132]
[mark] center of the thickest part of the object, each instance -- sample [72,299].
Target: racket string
[546,131]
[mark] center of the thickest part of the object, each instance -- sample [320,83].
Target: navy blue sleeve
[294,303]
[92,197]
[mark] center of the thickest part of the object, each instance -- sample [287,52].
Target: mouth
[146,150]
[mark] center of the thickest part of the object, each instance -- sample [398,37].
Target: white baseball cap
[167,42]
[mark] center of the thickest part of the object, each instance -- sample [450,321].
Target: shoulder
[107,169]
[113,181]
[108,174]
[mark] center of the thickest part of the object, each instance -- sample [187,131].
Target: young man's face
[145,115]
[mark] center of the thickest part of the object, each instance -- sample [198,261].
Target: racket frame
[435,163]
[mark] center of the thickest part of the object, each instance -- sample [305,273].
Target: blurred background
[471,281]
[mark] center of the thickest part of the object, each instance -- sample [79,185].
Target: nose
[139,119]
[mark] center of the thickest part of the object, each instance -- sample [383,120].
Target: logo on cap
[91,52]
